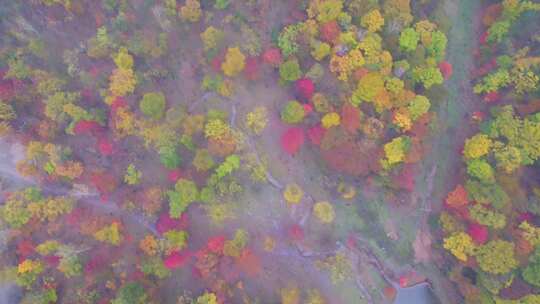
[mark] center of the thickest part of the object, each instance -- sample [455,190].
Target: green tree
[293,112]
[369,87]
[207,298]
[524,80]
[395,151]
[497,257]
[7,112]
[493,82]
[221,4]
[487,193]
[408,39]
[487,217]
[481,170]
[529,141]
[14,213]
[168,156]
[531,273]
[54,105]
[460,245]
[123,59]
[327,10]
[234,247]
[131,293]
[419,106]
[290,70]
[132,176]
[437,47]
[176,239]
[498,30]
[320,50]
[185,192]
[211,38]
[203,161]
[523,134]
[43,296]
[477,146]
[152,105]
[428,76]
[287,40]
[207,194]
[110,234]
[154,266]
[398,11]
[231,163]
[508,158]
[70,266]
[18,69]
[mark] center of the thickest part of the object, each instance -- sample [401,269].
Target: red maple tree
[292,140]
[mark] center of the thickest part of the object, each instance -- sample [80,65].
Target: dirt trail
[454,117]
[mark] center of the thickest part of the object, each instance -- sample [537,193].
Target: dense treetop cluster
[142,151]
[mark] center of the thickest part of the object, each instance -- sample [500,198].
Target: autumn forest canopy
[269,151]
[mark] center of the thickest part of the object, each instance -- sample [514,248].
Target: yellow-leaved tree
[234,62]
